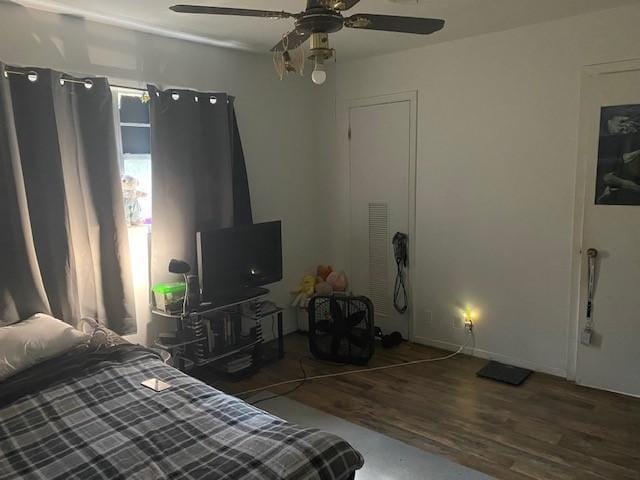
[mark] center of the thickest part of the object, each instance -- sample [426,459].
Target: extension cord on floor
[363,370]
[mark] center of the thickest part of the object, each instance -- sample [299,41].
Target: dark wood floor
[546,429]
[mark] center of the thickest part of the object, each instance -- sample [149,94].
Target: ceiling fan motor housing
[320,20]
[319,47]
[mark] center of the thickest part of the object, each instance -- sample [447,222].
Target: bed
[85,415]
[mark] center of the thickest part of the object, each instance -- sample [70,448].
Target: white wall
[274,119]
[497,143]
[497,149]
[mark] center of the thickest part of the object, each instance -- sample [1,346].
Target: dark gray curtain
[63,241]
[199,174]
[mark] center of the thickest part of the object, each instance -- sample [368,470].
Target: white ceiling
[464,18]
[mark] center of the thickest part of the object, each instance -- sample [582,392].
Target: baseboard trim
[604,389]
[477,352]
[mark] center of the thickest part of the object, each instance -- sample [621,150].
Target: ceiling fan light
[319,75]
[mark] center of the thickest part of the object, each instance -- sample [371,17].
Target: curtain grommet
[32,76]
[213,100]
[175,96]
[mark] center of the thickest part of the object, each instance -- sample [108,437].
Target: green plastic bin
[168,297]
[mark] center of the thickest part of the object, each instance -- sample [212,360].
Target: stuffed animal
[132,209]
[326,282]
[323,288]
[304,292]
[338,281]
[323,272]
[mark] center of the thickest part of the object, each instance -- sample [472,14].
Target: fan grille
[341,328]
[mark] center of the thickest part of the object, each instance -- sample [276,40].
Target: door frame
[344,126]
[590,73]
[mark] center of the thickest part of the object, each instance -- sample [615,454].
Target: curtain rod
[212,95]
[32,75]
[65,80]
[122,87]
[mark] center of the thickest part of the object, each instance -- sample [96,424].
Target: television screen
[231,260]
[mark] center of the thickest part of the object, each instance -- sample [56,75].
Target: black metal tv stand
[188,344]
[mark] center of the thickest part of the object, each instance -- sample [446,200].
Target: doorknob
[592,253]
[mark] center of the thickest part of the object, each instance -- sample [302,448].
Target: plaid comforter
[84,415]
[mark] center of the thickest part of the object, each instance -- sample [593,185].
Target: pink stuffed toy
[323,272]
[323,288]
[338,281]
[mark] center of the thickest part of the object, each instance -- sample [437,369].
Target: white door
[610,134]
[380,152]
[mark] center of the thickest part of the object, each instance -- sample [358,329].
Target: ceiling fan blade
[392,23]
[243,12]
[343,5]
[291,40]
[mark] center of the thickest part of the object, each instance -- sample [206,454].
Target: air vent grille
[378,257]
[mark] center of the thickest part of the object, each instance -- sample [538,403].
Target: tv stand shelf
[181,343]
[242,348]
[206,308]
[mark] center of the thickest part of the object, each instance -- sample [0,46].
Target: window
[131,111]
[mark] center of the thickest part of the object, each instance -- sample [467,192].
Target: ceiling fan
[316,22]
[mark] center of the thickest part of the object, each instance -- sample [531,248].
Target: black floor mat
[502,372]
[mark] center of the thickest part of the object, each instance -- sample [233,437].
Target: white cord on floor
[352,372]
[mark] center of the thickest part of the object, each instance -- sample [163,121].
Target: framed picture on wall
[618,171]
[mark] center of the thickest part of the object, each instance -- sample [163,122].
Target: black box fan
[341,329]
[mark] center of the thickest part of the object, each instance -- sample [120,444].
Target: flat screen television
[235,262]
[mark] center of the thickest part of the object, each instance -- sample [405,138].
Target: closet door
[380,155]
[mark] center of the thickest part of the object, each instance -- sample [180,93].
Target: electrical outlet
[468,326]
